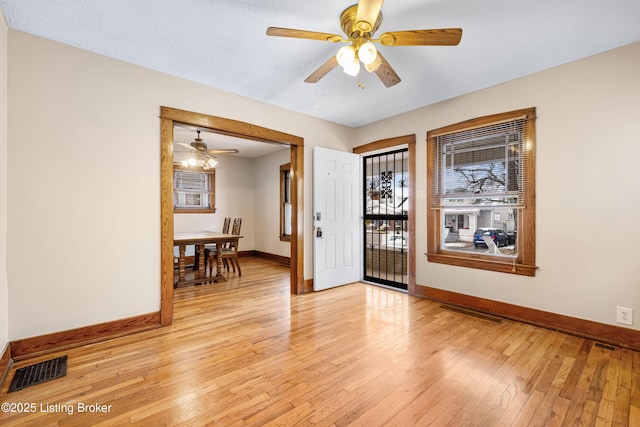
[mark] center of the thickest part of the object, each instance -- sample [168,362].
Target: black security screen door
[386,193]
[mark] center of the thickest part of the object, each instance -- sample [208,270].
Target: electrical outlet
[625,316]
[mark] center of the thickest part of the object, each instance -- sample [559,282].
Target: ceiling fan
[200,149]
[359,22]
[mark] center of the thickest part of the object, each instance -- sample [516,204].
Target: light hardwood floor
[246,352]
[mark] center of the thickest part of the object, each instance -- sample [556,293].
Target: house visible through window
[285,202]
[482,195]
[193,191]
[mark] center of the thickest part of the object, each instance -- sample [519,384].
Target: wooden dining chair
[229,254]
[209,250]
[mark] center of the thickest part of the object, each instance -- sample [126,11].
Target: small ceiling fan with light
[359,22]
[199,150]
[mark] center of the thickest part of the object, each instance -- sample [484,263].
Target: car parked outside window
[498,236]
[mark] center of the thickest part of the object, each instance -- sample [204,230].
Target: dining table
[201,238]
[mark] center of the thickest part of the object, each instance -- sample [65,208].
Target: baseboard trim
[308,286]
[243,254]
[272,257]
[34,346]
[189,260]
[609,334]
[5,364]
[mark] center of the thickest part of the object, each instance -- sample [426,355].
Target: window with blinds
[481,184]
[482,167]
[192,190]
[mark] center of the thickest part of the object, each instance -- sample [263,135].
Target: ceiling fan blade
[203,155]
[439,37]
[222,151]
[367,14]
[323,70]
[187,146]
[386,74]
[303,34]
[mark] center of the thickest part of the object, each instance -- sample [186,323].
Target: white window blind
[483,166]
[191,189]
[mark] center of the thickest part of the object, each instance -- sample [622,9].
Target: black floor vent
[482,316]
[39,373]
[605,346]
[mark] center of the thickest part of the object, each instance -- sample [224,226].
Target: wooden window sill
[483,262]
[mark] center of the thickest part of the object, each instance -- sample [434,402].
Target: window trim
[525,261]
[212,197]
[284,169]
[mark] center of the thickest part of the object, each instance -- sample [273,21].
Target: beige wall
[248,188]
[4,308]
[83,200]
[234,198]
[587,186]
[83,180]
[267,203]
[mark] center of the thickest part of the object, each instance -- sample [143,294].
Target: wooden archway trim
[171,116]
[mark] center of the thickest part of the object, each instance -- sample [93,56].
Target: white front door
[336,218]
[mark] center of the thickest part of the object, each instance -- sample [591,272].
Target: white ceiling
[222,43]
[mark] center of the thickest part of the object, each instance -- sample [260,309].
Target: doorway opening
[386,218]
[169,117]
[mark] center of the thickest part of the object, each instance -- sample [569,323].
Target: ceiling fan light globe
[191,161]
[212,163]
[354,68]
[367,53]
[373,66]
[345,56]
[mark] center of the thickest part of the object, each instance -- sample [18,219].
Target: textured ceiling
[222,43]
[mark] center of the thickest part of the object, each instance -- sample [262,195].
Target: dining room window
[193,191]
[285,202]
[481,193]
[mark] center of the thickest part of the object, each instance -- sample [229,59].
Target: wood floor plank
[247,353]
[546,414]
[634,416]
